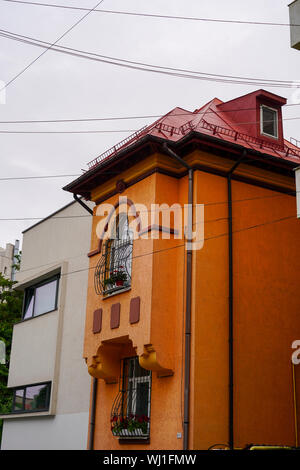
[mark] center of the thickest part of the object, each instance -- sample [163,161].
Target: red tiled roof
[208,120]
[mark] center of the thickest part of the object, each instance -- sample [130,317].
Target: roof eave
[74,186]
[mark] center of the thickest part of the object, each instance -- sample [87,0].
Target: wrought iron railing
[113,150]
[113,271]
[130,414]
[189,127]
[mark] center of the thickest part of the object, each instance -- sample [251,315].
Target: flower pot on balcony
[119,283]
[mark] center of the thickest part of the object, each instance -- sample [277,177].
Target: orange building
[189,338]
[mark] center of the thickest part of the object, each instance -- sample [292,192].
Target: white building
[47,372]
[7,259]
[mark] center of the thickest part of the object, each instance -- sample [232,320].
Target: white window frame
[262,122]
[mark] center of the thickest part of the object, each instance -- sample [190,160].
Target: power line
[120,118]
[36,177]
[158,16]
[174,247]
[282,219]
[108,131]
[73,132]
[142,211]
[49,47]
[142,66]
[61,48]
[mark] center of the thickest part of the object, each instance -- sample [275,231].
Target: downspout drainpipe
[230,300]
[93,414]
[95,381]
[80,201]
[187,364]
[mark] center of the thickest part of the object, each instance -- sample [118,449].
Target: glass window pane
[270,122]
[36,397]
[18,404]
[45,297]
[29,300]
[142,396]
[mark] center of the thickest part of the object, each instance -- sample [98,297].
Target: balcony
[113,271]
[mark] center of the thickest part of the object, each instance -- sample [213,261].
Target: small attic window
[269,122]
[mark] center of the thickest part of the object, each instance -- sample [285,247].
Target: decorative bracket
[148,360]
[101,367]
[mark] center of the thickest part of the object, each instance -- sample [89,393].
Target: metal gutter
[230,301]
[95,381]
[77,199]
[93,414]
[148,139]
[187,356]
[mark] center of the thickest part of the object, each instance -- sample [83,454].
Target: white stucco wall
[60,432]
[33,351]
[49,347]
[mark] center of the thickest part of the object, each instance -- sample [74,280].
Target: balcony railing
[113,271]
[130,414]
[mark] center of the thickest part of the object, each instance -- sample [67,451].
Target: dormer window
[269,122]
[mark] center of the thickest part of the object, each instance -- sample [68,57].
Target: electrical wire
[160,210]
[283,219]
[158,16]
[120,118]
[142,66]
[36,177]
[114,131]
[49,47]
[108,131]
[173,247]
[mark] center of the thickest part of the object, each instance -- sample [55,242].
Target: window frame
[35,286]
[262,106]
[24,387]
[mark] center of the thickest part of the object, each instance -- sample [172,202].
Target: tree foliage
[10,312]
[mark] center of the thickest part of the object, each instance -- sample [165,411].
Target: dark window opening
[130,416]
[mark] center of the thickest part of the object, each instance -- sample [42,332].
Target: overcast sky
[63,87]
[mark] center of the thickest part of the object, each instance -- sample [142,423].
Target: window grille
[130,415]
[113,271]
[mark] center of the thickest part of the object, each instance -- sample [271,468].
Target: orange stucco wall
[266,314]
[266,266]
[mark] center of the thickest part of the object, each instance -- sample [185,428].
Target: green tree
[10,312]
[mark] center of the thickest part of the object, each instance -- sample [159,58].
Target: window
[31,398]
[269,121]
[130,416]
[113,271]
[41,298]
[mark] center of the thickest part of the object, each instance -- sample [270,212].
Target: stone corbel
[148,360]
